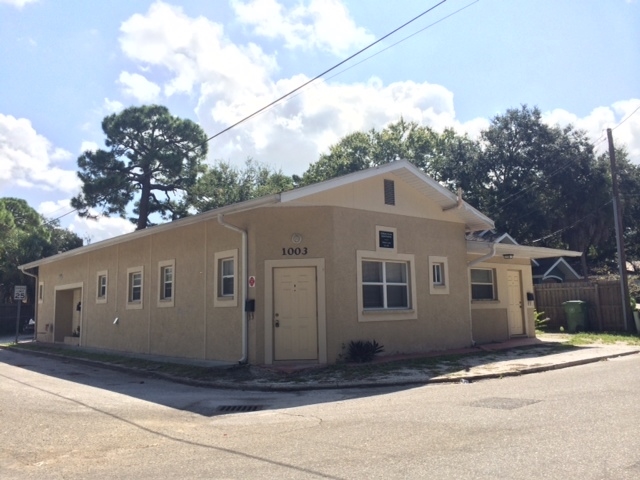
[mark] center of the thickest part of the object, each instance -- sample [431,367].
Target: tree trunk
[143,207]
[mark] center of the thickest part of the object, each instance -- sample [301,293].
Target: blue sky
[66,64]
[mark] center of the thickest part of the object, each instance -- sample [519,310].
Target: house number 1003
[294,251]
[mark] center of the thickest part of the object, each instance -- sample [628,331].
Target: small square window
[439,270]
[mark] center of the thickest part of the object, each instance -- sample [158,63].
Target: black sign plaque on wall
[385,239]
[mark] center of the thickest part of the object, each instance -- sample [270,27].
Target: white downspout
[245,272]
[489,255]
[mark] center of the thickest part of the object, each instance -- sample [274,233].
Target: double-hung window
[483,284]
[166,285]
[226,279]
[385,284]
[101,287]
[135,280]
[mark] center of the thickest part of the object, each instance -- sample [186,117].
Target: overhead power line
[317,77]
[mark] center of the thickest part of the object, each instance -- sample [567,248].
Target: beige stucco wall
[336,234]
[490,318]
[191,328]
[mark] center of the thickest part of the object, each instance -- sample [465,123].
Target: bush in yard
[359,351]
[540,320]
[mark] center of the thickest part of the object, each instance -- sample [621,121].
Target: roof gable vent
[389,192]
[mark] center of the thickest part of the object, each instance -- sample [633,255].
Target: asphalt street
[64,420]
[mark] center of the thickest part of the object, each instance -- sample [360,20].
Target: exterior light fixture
[507,256]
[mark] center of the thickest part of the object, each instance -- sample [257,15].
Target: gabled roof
[553,267]
[414,177]
[402,169]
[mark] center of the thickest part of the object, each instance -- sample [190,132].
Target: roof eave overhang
[475,247]
[209,215]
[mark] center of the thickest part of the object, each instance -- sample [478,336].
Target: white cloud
[112,106]
[17,3]
[194,50]
[231,81]
[101,229]
[94,230]
[28,158]
[322,24]
[596,123]
[89,146]
[138,87]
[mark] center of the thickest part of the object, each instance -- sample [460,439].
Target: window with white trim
[166,283]
[439,271]
[385,284]
[135,278]
[40,292]
[226,279]
[483,284]
[101,286]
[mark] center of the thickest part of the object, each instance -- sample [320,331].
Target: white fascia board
[201,217]
[519,251]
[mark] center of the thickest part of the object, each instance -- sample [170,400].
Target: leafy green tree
[24,237]
[541,183]
[153,159]
[441,155]
[222,184]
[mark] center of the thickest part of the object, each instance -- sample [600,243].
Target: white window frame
[220,300]
[438,286]
[387,314]
[494,287]
[135,304]
[99,275]
[40,292]
[162,268]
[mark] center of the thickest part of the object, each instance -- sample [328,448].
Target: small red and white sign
[252,282]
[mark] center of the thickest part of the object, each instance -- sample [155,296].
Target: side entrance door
[516,312]
[295,317]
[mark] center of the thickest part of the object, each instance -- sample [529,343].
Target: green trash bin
[576,312]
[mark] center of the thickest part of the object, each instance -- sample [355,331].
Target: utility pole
[617,216]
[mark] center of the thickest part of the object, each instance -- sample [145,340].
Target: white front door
[295,317]
[515,312]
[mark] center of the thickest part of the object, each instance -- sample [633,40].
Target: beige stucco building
[380,255]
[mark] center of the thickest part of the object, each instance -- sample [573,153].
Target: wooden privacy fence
[603,297]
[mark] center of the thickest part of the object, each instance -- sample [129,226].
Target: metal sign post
[19,294]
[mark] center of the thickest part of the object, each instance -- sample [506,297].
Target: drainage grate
[499,403]
[239,408]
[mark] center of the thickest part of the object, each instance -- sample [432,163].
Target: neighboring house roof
[491,236]
[556,268]
[402,169]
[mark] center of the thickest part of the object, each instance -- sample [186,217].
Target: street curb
[335,385]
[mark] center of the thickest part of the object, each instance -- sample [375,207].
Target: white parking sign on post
[20,292]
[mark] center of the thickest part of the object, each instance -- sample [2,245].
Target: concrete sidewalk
[514,357]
